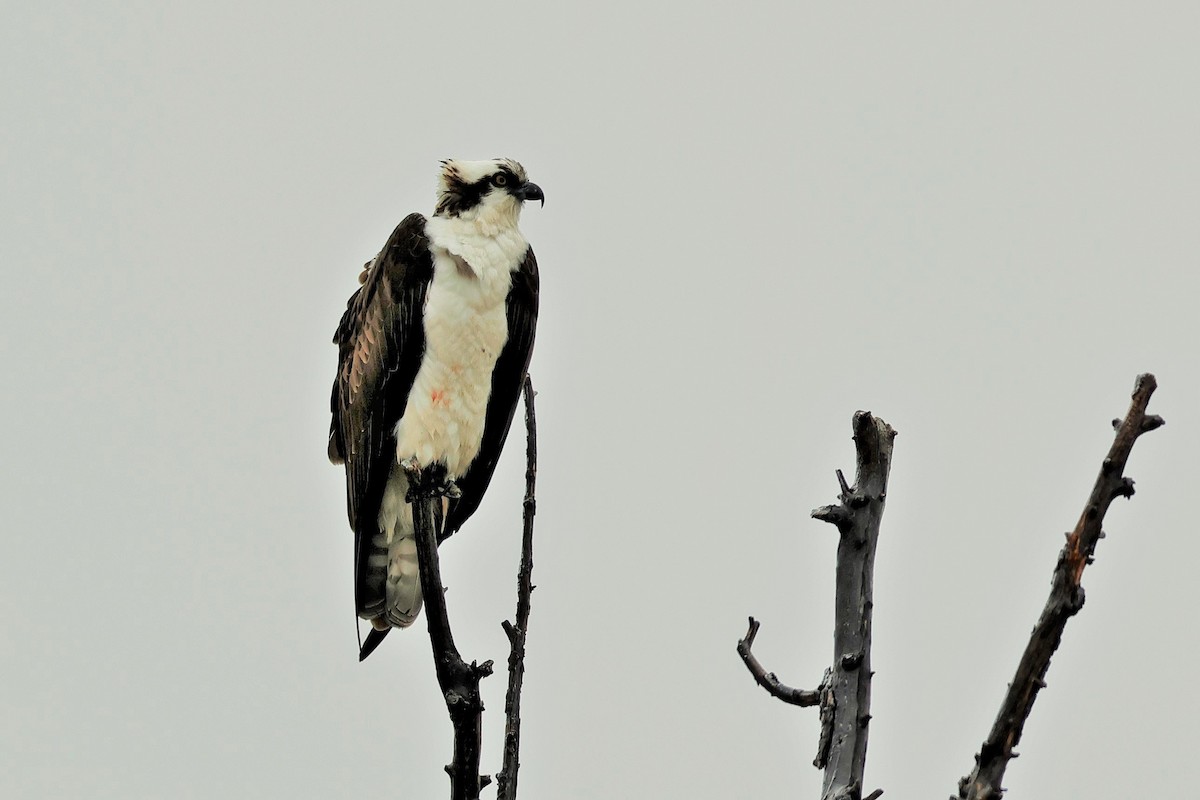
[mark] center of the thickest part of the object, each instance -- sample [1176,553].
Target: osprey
[432,354]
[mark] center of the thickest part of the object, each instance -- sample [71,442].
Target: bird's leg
[429,482]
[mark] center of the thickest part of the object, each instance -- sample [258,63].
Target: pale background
[978,223]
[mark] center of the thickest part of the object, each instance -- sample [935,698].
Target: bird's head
[497,187]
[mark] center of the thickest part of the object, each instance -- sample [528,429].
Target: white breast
[466,327]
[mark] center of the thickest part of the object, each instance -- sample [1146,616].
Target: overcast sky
[977,222]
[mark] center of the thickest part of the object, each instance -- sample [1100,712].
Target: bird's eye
[500,179]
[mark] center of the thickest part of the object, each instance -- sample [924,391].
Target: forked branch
[459,681]
[845,693]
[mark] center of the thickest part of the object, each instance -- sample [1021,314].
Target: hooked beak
[530,191]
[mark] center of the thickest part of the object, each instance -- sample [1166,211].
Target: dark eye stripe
[460,196]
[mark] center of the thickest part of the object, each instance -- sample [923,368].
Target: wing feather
[381,339]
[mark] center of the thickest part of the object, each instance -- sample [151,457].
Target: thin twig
[846,704]
[458,680]
[1066,598]
[506,779]
[767,680]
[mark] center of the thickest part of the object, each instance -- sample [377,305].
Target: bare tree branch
[845,692]
[1066,598]
[506,779]
[458,680]
[767,680]
[857,518]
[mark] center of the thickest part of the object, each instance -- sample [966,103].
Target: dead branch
[857,518]
[458,680]
[506,779]
[767,680]
[844,695]
[1066,598]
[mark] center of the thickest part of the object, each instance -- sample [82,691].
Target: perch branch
[846,701]
[458,680]
[506,779]
[767,680]
[1066,598]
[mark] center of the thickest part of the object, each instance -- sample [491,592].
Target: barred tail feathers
[397,546]
[389,583]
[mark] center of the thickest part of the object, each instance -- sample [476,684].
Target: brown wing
[380,340]
[507,379]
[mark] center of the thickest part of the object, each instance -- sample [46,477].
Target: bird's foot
[429,482]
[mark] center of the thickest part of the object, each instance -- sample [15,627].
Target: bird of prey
[432,354]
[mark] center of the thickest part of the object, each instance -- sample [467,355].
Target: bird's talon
[428,483]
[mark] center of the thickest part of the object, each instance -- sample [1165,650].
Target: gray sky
[978,223]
